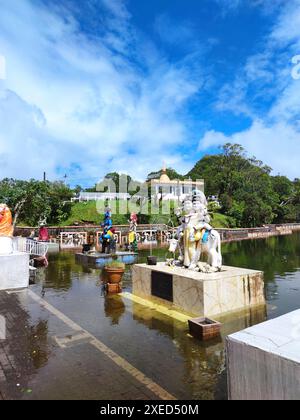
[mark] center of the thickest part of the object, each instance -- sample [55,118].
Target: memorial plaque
[162,285]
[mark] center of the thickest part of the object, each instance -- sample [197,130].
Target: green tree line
[248,194]
[247,191]
[32,201]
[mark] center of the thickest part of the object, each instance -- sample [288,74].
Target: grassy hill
[87,212]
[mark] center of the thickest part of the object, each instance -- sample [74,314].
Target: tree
[77,189]
[27,199]
[31,201]
[59,197]
[172,174]
[208,168]
[244,185]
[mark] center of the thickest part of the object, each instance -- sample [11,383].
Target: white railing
[31,247]
[73,239]
[39,249]
[103,196]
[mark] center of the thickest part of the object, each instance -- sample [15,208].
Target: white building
[167,190]
[97,196]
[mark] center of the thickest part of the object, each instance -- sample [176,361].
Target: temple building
[166,189]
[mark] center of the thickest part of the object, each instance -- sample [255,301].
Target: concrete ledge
[203,294]
[99,260]
[264,361]
[14,271]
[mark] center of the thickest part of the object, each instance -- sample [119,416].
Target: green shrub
[115,264]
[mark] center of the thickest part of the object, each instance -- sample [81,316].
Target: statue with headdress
[6,224]
[6,230]
[196,236]
[132,236]
[107,238]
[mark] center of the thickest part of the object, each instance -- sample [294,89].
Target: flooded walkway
[80,366]
[67,341]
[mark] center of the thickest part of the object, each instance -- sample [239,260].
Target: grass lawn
[88,212]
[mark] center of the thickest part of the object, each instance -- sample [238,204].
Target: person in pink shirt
[43,234]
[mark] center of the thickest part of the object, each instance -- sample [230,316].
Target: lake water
[156,344]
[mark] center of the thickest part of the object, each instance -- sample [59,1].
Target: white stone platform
[201,294]
[264,361]
[14,271]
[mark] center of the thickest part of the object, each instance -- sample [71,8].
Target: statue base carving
[198,293]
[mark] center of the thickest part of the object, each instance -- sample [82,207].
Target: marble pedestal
[200,294]
[14,271]
[264,361]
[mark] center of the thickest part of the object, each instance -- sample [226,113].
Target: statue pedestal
[200,294]
[14,271]
[264,361]
[6,245]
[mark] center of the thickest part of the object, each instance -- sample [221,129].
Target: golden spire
[164,179]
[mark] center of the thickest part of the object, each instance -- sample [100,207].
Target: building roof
[164,179]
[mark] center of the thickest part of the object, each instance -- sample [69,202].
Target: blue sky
[97,86]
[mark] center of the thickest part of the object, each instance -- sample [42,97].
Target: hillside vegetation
[248,193]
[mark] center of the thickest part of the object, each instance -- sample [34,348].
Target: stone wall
[227,235]
[230,235]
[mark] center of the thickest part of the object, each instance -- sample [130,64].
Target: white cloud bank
[277,145]
[88,103]
[83,104]
[274,136]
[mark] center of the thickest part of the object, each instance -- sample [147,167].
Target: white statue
[196,236]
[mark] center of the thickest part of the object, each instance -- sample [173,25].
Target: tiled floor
[34,366]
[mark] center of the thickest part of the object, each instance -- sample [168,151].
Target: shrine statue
[107,238]
[132,237]
[196,236]
[6,230]
[6,223]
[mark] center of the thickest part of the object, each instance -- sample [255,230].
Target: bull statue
[195,236]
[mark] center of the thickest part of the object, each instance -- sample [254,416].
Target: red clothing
[44,235]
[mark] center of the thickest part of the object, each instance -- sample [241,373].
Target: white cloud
[287,28]
[265,91]
[278,145]
[96,102]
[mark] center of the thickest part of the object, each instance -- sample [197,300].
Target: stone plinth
[99,260]
[264,360]
[6,245]
[200,294]
[14,271]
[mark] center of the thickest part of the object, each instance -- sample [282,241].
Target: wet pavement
[65,340]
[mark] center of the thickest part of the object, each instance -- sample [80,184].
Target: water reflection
[159,345]
[26,345]
[37,336]
[279,258]
[114,308]
[204,373]
[278,255]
